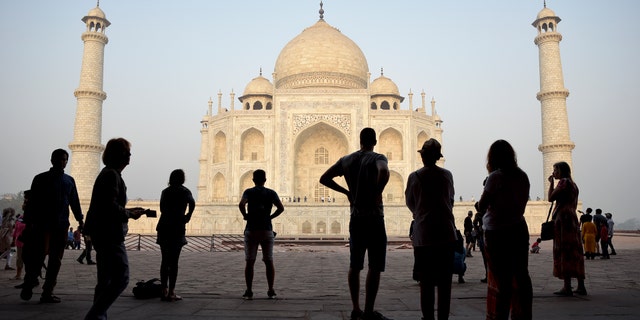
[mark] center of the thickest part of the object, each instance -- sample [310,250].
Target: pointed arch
[306,171]
[220,147]
[219,188]
[422,137]
[336,228]
[246,181]
[385,105]
[390,144]
[306,227]
[374,106]
[321,227]
[257,105]
[269,106]
[252,145]
[394,191]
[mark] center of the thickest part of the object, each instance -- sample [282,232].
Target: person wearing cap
[430,196]
[506,235]
[366,174]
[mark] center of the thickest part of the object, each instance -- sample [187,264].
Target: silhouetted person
[602,226]
[174,202]
[430,196]
[107,226]
[506,234]
[255,206]
[568,257]
[88,247]
[610,224]
[47,220]
[366,174]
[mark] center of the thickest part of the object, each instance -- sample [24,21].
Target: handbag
[547,229]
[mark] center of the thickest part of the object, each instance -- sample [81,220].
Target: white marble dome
[321,56]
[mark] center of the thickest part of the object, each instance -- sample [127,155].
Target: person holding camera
[171,230]
[106,224]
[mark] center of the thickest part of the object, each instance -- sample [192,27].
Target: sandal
[174,297]
[564,292]
[581,291]
[165,294]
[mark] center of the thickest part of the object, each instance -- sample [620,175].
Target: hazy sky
[477,59]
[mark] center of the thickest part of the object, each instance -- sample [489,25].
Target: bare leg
[354,288]
[271,273]
[371,286]
[248,274]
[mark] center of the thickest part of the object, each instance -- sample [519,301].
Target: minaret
[556,145]
[86,147]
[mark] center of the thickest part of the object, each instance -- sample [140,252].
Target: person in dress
[568,259]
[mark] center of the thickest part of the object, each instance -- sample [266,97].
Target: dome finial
[381,71]
[544,2]
[261,71]
[321,11]
[97,5]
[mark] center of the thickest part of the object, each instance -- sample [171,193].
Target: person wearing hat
[430,196]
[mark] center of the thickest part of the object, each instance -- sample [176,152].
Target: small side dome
[384,86]
[259,86]
[545,13]
[97,12]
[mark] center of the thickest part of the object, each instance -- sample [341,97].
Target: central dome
[321,56]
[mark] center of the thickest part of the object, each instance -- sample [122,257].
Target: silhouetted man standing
[366,174]
[259,230]
[47,221]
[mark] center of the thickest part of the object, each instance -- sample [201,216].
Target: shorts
[368,235]
[252,239]
[433,264]
[468,237]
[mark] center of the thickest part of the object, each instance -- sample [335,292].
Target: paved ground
[311,284]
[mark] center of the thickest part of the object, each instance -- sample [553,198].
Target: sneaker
[49,299]
[272,294]
[375,315]
[248,295]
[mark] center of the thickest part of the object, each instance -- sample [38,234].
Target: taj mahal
[302,119]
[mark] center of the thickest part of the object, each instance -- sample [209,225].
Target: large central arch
[315,150]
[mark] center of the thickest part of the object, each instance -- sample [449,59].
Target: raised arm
[327,179]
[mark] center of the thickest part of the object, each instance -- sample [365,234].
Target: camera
[150,213]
